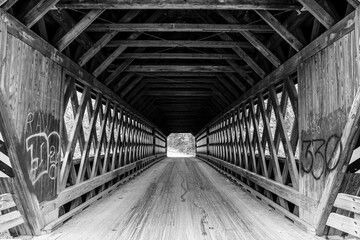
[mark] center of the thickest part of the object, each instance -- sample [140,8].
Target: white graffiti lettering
[44,150]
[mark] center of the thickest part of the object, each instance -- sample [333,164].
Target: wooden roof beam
[241,72]
[236,81]
[178,43]
[238,50]
[179,4]
[91,52]
[121,82]
[178,68]
[121,48]
[318,12]
[252,39]
[176,27]
[209,56]
[78,29]
[66,22]
[37,12]
[117,71]
[280,29]
[228,86]
[130,86]
[6,5]
[354,3]
[180,93]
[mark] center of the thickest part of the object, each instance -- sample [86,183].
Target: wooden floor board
[179,198]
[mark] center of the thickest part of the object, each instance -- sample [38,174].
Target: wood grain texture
[323,114]
[179,4]
[179,199]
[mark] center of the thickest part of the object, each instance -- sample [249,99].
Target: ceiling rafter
[318,12]
[91,52]
[37,12]
[178,43]
[252,39]
[66,22]
[180,4]
[176,27]
[122,48]
[280,29]
[239,51]
[76,30]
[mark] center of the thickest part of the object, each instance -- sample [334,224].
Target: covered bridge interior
[90,90]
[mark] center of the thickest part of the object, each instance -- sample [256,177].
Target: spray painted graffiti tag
[44,158]
[43,147]
[320,155]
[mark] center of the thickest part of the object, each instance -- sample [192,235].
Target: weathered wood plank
[10,220]
[348,202]
[348,139]
[6,201]
[344,224]
[318,12]
[178,4]
[37,12]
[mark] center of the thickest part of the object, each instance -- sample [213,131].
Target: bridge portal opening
[180,145]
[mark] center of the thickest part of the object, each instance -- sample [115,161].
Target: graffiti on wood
[43,160]
[321,155]
[42,146]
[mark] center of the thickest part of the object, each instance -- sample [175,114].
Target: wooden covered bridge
[90,90]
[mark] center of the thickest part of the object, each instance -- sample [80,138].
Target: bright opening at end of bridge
[181,145]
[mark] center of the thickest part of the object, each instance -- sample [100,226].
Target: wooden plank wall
[31,83]
[70,142]
[327,87]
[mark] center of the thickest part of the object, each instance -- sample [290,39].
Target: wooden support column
[328,123]
[207,141]
[154,140]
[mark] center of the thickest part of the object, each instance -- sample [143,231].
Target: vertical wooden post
[154,140]
[207,141]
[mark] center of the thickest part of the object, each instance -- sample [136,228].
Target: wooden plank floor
[178,198]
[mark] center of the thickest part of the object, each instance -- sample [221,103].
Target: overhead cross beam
[209,56]
[37,12]
[91,52]
[237,50]
[179,4]
[179,68]
[252,39]
[178,43]
[121,48]
[78,29]
[176,27]
[280,29]
[318,12]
